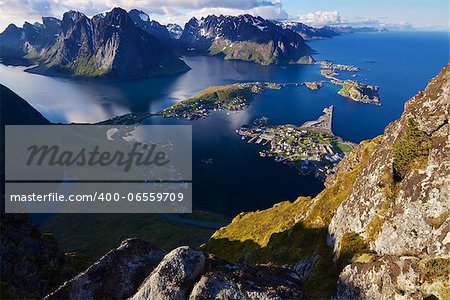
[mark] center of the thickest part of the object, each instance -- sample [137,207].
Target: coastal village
[312,148]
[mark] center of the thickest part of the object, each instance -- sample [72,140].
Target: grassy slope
[213,95]
[289,232]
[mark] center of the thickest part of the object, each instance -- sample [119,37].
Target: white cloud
[320,18]
[333,18]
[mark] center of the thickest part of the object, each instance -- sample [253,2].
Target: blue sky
[419,13]
[394,14]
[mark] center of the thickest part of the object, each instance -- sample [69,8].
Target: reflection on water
[66,100]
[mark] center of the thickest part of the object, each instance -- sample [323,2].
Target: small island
[328,73]
[338,67]
[351,89]
[234,97]
[314,85]
[311,148]
[358,91]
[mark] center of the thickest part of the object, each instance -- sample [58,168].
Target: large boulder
[174,276]
[117,275]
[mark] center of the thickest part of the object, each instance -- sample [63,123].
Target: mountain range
[325,32]
[120,45]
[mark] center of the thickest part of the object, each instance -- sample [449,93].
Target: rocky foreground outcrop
[138,271]
[117,275]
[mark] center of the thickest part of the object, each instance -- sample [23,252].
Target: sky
[392,14]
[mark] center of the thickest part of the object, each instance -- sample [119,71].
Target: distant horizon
[392,15]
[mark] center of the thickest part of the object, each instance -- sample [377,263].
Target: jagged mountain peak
[154,28]
[12,28]
[175,30]
[144,17]
[117,18]
[72,15]
[73,19]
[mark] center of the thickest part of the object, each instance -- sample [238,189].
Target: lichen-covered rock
[400,202]
[400,206]
[174,276]
[117,275]
[395,277]
[238,281]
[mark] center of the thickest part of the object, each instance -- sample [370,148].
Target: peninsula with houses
[312,147]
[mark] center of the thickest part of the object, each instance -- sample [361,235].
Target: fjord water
[228,175]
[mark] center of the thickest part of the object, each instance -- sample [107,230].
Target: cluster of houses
[297,147]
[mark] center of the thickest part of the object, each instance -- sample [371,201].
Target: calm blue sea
[237,180]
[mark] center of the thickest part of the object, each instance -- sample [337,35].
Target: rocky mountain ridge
[324,32]
[108,46]
[308,32]
[142,20]
[136,270]
[244,37]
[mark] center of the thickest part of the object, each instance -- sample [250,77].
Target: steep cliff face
[400,204]
[400,201]
[244,37]
[384,215]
